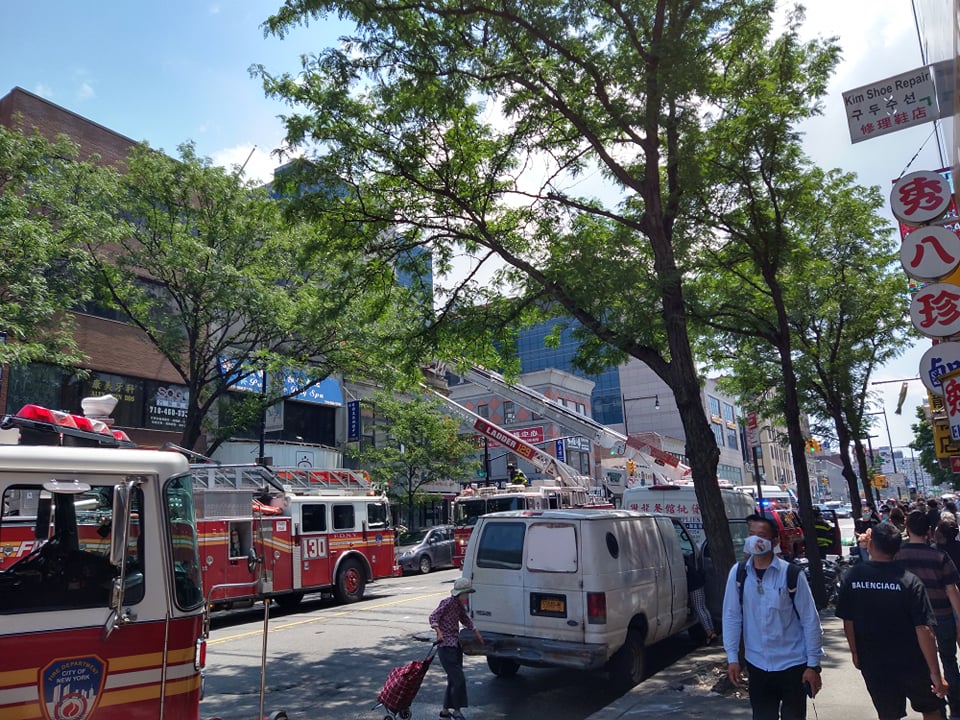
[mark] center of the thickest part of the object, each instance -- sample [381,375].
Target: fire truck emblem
[71,687]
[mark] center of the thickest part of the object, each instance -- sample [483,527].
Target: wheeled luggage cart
[402,685]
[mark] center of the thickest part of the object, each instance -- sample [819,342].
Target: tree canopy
[43,269]
[204,264]
[563,140]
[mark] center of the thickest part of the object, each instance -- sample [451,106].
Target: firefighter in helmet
[516,475]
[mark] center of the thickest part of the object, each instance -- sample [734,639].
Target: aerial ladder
[651,465]
[545,463]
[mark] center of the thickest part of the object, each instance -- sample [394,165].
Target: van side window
[501,546]
[552,547]
[343,517]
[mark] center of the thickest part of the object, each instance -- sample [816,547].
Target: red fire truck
[103,612]
[284,532]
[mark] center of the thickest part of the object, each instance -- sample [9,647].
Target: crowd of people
[906,582]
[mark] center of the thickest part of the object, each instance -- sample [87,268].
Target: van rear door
[553,592]
[497,567]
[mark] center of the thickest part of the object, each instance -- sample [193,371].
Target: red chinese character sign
[951,401]
[935,310]
[920,197]
[930,253]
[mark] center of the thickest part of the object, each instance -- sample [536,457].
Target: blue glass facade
[606,405]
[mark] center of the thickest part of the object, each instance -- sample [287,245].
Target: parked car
[425,549]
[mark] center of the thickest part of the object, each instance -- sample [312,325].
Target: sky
[178,71]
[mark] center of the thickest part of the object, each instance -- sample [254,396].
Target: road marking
[353,610]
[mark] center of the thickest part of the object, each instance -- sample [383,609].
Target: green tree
[44,270]
[423,446]
[560,139]
[923,443]
[204,264]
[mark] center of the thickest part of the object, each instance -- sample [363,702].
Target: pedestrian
[946,538]
[781,632]
[933,513]
[939,576]
[901,661]
[446,620]
[696,595]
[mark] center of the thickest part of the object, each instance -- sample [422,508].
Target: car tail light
[596,608]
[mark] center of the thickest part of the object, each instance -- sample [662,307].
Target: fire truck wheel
[351,582]
[277,715]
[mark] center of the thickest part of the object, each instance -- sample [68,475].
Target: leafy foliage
[208,269]
[423,446]
[44,215]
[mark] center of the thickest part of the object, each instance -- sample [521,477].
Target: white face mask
[756,545]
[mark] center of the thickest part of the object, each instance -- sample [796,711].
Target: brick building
[121,360]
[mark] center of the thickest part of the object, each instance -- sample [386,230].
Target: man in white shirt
[781,630]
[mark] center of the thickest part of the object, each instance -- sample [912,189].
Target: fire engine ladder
[316,480]
[543,462]
[616,442]
[235,477]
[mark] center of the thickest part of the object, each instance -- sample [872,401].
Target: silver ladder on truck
[293,480]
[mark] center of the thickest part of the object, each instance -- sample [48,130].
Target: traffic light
[631,467]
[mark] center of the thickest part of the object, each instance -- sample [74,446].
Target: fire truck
[565,488]
[103,611]
[283,532]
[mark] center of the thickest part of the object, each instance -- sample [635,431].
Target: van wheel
[626,666]
[351,582]
[425,565]
[502,667]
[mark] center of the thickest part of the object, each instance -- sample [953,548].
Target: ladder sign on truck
[101,602]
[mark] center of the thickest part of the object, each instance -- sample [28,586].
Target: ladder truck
[569,489]
[644,463]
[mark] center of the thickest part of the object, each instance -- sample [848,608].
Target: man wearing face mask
[781,631]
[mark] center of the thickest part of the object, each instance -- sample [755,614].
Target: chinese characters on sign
[951,401]
[920,197]
[892,104]
[937,361]
[930,253]
[935,310]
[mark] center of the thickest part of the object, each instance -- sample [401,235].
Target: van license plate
[548,605]
[551,605]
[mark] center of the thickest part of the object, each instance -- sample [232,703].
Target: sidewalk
[684,689]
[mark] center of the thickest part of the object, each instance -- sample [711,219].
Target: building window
[728,413]
[714,406]
[732,438]
[509,411]
[483,411]
[717,433]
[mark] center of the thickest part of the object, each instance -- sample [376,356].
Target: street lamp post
[889,438]
[623,406]
[876,490]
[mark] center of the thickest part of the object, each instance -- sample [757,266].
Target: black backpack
[793,573]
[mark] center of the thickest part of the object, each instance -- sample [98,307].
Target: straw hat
[461,586]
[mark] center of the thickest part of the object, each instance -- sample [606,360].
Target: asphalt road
[329,661]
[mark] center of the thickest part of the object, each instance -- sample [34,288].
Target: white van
[680,501]
[583,589]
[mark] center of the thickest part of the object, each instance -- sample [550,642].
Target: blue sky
[178,70]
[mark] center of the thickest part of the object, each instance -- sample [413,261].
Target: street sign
[892,104]
[955,463]
[951,401]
